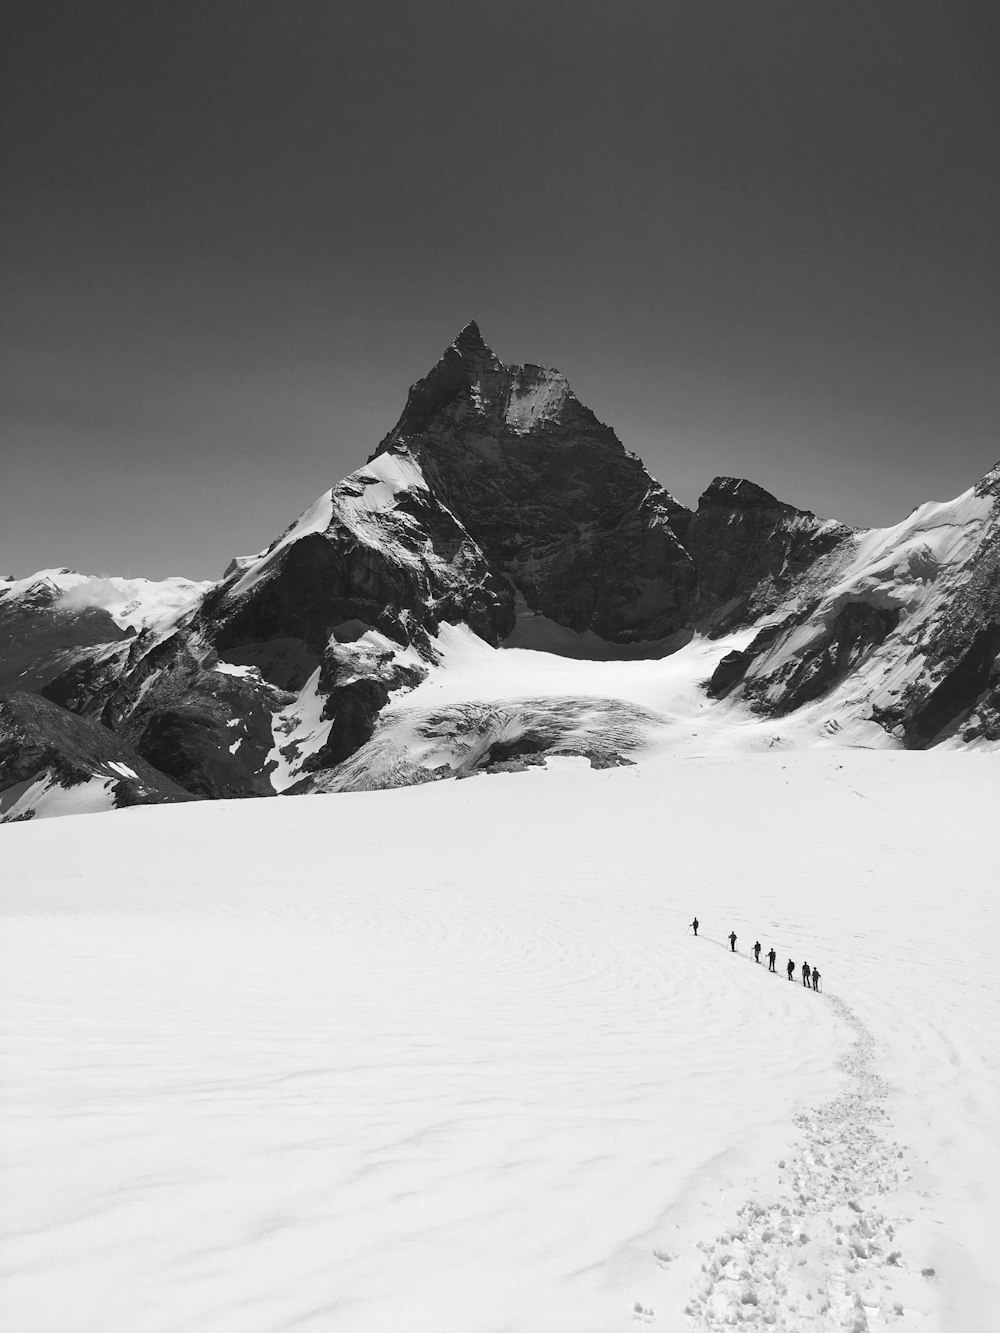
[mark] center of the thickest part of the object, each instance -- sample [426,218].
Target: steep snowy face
[899,624]
[299,647]
[549,494]
[377,551]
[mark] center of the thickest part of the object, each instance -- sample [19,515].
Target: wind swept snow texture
[449,1058]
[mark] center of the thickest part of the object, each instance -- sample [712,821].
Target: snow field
[449,1058]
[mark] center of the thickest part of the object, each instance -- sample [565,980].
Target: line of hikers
[810,975]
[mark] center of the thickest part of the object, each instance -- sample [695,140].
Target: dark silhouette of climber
[815,978]
[694,925]
[805,974]
[771,960]
[732,941]
[790,969]
[756,952]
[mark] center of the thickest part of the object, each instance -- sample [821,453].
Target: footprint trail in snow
[822,1255]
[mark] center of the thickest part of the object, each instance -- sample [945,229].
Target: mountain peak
[473,351]
[739,493]
[469,337]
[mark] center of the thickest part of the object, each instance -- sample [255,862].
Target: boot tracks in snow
[816,1257]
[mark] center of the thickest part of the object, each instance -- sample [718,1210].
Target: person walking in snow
[732,941]
[790,969]
[815,978]
[694,925]
[756,952]
[771,959]
[805,974]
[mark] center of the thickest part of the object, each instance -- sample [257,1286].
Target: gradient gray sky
[760,238]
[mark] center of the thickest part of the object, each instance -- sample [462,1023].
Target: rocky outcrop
[827,658]
[549,494]
[496,488]
[379,550]
[378,555]
[44,747]
[900,625]
[203,723]
[496,495]
[39,638]
[749,549]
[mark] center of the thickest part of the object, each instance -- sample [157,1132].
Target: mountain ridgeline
[500,503]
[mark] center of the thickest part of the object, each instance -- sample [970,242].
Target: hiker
[771,957]
[791,969]
[756,952]
[732,941]
[694,925]
[805,974]
[815,978]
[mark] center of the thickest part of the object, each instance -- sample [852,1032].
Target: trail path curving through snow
[449,1058]
[821,1254]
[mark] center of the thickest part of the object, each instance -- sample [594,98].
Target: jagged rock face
[903,622]
[205,725]
[498,493]
[377,557]
[749,549]
[549,494]
[379,549]
[39,638]
[44,748]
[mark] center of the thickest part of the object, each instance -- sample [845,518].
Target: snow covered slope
[449,1058]
[900,625]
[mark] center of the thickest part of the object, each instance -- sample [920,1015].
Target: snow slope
[448,1058]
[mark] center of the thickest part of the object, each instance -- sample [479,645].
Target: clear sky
[760,238]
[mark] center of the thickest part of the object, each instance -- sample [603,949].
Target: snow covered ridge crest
[500,528]
[903,622]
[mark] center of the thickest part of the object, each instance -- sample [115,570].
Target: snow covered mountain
[899,624]
[498,527]
[45,617]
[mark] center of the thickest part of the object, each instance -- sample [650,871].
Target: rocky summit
[571,520]
[499,507]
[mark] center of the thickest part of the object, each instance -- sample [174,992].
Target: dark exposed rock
[908,614]
[749,548]
[173,703]
[733,667]
[396,569]
[854,631]
[39,739]
[357,677]
[39,639]
[549,494]
[960,689]
[498,494]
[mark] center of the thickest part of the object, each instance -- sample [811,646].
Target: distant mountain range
[498,503]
